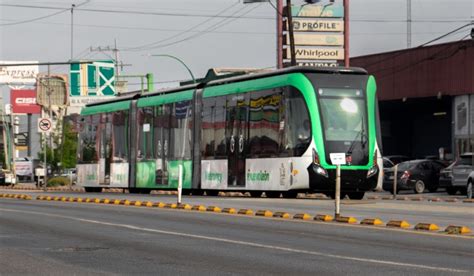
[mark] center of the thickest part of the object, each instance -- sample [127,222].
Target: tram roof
[237,78]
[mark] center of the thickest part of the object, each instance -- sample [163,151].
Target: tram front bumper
[351,180]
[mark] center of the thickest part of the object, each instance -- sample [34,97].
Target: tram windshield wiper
[363,141]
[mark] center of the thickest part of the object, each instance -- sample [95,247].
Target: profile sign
[44,125]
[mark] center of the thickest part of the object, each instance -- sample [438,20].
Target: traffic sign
[44,125]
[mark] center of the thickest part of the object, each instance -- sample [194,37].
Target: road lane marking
[238,242]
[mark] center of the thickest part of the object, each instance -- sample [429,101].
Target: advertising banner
[461,116]
[18,74]
[87,174]
[24,102]
[214,174]
[119,175]
[267,174]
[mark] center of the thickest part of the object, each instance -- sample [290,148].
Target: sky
[200,32]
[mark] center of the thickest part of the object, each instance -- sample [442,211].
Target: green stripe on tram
[109,107]
[166,98]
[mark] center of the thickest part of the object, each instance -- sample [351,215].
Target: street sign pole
[338,159]
[45,167]
[338,191]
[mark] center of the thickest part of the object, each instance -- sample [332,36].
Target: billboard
[94,79]
[24,101]
[320,30]
[18,73]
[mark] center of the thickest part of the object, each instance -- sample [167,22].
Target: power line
[184,31]
[420,46]
[208,29]
[34,19]
[136,12]
[435,56]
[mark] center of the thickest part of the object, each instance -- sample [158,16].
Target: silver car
[460,173]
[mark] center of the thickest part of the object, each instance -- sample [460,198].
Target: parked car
[470,183]
[419,175]
[2,177]
[70,173]
[460,173]
[387,163]
[446,176]
[396,159]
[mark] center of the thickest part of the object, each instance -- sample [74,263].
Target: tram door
[105,148]
[236,135]
[163,124]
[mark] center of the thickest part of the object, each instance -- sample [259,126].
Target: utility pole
[346,33]
[408,23]
[114,50]
[72,30]
[289,17]
[279,31]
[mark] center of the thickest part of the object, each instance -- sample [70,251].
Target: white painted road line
[252,244]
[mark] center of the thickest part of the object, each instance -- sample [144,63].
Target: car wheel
[356,195]
[451,190]
[469,190]
[419,187]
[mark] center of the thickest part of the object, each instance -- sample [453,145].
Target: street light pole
[180,61]
[180,166]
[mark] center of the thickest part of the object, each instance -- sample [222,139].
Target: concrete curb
[452,229]
[16,196]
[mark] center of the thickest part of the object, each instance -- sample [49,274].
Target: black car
[396,159]
[418,175]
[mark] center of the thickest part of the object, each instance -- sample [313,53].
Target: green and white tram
[266,132]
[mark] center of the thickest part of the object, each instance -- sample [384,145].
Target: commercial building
[426,98]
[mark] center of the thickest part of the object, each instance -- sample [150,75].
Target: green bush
[58,181]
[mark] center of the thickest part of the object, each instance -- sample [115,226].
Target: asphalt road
[442,214]
[56,238]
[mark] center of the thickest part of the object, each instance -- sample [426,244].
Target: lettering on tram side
[211,176]
[91,177]
[119,177]
[258,176]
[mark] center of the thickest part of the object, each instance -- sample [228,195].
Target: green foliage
[69,147]
[58,181]
[63,154]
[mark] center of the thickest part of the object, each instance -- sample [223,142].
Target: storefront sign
[24,102]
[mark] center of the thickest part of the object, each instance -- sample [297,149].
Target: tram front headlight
[320,170]
[375,168]
[372,171]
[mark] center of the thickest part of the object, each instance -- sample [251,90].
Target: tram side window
[297,125]
[207,132]
[120,136]
[105,144]
[181,130]
[213,141]
[161,130]
[145,134]
[264,125]
[88,140]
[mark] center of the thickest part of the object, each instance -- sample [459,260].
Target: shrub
[58,181]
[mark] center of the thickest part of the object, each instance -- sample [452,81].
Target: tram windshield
[343,114]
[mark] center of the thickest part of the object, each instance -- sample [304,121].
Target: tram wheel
[93,189]
[212,192]
[197,192]
[290,194]
[273,194]
[255,193]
